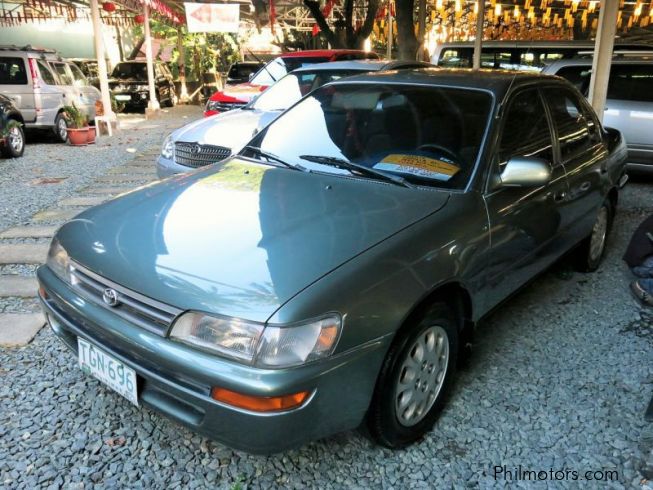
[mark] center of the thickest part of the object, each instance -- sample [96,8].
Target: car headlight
[266,346]
[58,260]
[212,105]
[168,148]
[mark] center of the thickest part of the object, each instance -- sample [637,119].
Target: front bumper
[136,99]
[175,379]
[166,168]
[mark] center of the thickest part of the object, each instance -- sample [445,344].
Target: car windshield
[278,67]
[428,135]
[136,71]
[294,86]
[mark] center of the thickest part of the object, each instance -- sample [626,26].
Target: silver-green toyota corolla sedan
[327,277]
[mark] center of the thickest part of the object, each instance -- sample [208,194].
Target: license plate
[123,97]
[110,371]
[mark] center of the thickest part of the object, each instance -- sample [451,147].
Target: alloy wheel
[599,233]
[16,140]
[61,127]
[421,376]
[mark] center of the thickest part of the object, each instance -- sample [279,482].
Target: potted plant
[77,125]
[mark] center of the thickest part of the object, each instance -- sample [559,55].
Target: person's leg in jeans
[643,290]
[645,269]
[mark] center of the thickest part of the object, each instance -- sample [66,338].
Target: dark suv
[12,135]
[128,84]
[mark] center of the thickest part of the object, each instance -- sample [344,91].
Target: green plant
[75,118]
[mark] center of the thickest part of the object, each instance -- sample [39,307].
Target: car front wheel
[414,380]
[591,250]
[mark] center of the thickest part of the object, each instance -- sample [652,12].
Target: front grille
[195,155]
[226,106]
[149,314]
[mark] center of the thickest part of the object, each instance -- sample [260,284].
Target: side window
[65,78]
[631,82]
[578,75]
[80,79]
[573,130]
[46,74]
[526,130]
[12,71]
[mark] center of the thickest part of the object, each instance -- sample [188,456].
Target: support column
[603,55]
[390,30]
[478,41]
[181,61]
[101,62]
[421,29]
[153,104]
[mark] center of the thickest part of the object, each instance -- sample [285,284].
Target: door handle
[585,186]
[559,196]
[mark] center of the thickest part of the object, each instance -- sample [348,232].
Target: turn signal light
[259,403]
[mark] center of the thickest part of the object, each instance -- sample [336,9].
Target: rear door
[583,155]
[88,94]
[50,97]
[66,83]
[525,222]
[16,84]
[629,107]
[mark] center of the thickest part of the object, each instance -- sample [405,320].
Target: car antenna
[530,45]
[261,61]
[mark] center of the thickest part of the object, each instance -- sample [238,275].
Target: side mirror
[525,172]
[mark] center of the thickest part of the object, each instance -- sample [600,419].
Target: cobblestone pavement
[559,377]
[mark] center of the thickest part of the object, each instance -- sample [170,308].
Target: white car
[40,83]
[215,138]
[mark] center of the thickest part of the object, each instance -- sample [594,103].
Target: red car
[235,96]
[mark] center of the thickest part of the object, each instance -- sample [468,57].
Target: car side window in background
[80,79]
[64,75]
[572,126]
[12,71]
[579,76]
[526,131]
[46,74]
[631,82]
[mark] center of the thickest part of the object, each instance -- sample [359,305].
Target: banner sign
[212,17]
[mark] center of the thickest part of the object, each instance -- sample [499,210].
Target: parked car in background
[328,276]
[40,83]
[243,71]
[234,97]
[129,85]
[517,55]
[212,139]
[12,136]
[629,105]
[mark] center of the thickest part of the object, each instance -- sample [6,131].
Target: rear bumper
[175,379]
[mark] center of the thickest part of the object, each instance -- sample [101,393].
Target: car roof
[496,81]
[314,53]
[362,65]
[630,60]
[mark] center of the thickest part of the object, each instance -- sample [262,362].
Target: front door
[525,222]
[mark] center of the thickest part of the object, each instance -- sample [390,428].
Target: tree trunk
[406,40]
[346,35]
[137,48]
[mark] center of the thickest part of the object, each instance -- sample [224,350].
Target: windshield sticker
[418,165]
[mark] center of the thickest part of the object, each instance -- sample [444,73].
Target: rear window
[12,71]
[125,71]
[631,82]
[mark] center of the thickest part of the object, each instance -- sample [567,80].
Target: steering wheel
[454,157]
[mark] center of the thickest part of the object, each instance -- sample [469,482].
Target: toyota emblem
[110,297]
[196,149]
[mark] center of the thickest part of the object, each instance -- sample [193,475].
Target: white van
[41,83]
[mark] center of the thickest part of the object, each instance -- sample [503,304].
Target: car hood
[232,129]
[241,238]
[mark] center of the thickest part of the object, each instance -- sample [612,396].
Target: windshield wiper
[351,166]
[273,158]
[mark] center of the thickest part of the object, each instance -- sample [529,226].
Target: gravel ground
[559,378]
[24,181]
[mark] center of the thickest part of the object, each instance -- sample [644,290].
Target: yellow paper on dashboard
[418,165]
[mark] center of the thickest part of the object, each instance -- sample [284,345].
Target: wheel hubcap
[62,129]
[599,232]
[15,140]
[421,376]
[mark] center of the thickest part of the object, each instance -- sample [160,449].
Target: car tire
[591,250]
[415,378]
[14,144]
[60,127]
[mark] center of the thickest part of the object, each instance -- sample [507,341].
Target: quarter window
[12,71]
[570,122]
[526,130]
[46,74]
